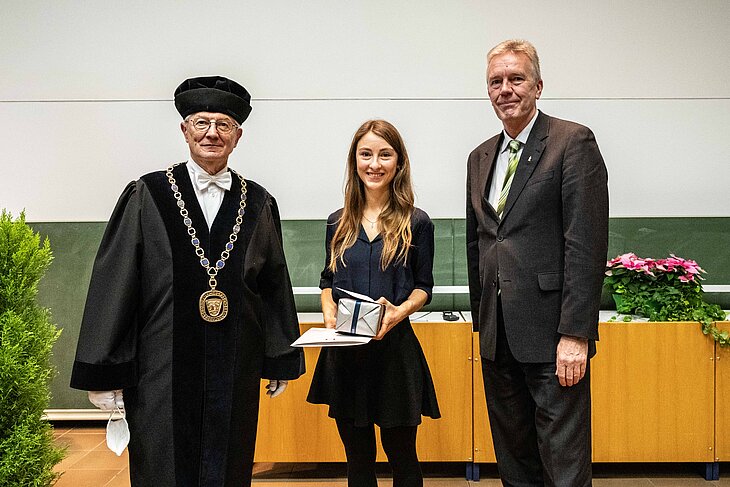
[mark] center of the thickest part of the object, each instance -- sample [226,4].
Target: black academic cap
[213,94]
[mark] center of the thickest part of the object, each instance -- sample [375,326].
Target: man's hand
[571,361]
[107,400]
[275,387]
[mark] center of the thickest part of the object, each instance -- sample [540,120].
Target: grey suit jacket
[547,254]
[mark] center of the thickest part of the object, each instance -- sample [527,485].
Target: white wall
[86,94]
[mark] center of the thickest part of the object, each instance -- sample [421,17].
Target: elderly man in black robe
[190,305]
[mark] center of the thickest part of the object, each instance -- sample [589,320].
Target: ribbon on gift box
[355,314]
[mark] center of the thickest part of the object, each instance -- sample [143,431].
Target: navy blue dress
[385,382]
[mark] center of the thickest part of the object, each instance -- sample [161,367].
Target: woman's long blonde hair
[395,218]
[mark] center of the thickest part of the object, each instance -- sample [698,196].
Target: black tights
[399,444]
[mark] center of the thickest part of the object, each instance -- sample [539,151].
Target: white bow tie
[223,181]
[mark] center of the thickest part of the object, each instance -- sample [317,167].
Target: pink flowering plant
[662,290]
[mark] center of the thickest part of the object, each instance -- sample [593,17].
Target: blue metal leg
[469,470]
[712,471]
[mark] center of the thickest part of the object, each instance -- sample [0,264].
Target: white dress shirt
[500,167]
[210,198]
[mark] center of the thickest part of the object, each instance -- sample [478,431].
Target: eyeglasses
[222,126]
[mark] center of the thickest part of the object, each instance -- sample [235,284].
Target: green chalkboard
[74,245]
[63,290]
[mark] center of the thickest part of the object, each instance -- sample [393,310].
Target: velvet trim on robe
[191,388]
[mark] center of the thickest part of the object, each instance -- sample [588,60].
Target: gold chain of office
[213,304]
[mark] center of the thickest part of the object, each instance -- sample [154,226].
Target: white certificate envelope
[328,337]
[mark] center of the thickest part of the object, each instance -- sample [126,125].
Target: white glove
[107,400]
[276,387]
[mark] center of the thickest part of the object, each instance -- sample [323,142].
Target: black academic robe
[191,388]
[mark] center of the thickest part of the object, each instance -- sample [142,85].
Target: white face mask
[117,433]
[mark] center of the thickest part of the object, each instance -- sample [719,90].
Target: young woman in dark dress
[380,245]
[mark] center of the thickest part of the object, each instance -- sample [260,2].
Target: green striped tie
[514,147]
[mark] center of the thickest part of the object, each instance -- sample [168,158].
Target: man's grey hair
[518,46]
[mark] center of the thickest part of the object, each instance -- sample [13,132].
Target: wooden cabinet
[660,392]
[653,393]
[448,350]
[722,400]
[292,430]
[483,446]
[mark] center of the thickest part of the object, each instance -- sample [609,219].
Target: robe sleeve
[280,323]
[106,350]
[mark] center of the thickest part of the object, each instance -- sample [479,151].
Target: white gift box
[359,315]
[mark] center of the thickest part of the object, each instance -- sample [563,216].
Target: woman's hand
[330,321]
[329,308]
[393,315]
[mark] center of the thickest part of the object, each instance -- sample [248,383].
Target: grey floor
[453,475]
[89,463]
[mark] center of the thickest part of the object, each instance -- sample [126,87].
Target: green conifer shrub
[27,451]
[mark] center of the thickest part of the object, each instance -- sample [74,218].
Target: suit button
[500,238]
[494,283]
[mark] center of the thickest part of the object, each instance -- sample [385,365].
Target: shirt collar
[521,137]
[194,168]
[363,235]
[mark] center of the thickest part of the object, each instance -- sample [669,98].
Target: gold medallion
[213,306]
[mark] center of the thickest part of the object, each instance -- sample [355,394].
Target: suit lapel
[486,165]
[528,160]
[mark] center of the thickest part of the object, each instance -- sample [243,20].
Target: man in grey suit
[537,236]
